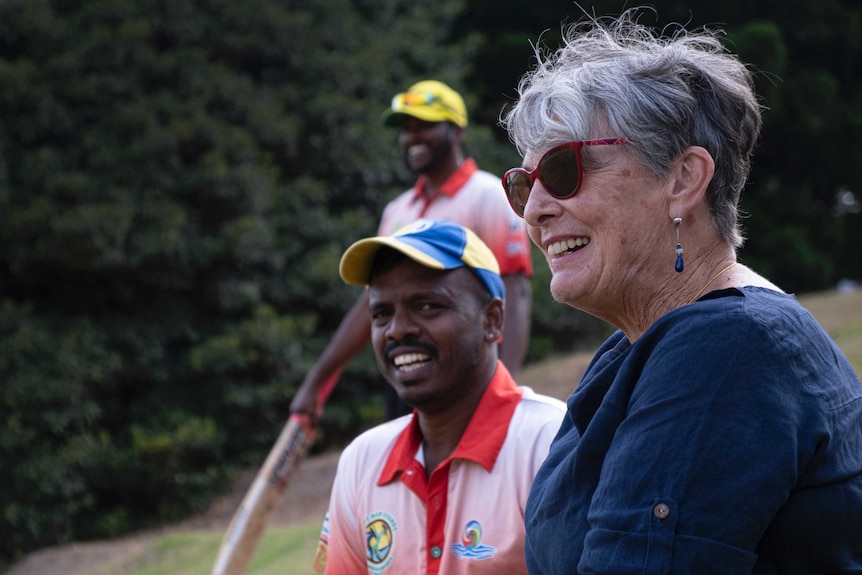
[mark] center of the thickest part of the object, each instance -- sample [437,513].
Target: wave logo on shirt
[379,532]
[470,546]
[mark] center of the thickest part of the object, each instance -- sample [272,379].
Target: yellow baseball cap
[428,100]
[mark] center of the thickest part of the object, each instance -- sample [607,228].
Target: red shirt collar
[452,184]
[483,438]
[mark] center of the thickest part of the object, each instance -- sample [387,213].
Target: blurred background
[179,178]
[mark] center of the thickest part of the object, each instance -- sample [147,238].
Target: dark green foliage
[808,57]
[178,181]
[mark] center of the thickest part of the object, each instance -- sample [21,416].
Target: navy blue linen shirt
[727,439]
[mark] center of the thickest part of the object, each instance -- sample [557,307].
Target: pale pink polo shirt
[467,518]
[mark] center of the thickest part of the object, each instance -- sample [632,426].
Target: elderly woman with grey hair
[719,430]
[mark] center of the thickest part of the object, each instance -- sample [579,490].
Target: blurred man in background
[432,118]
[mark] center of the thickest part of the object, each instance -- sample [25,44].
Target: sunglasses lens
[417,99]
[559,172]
[518,185]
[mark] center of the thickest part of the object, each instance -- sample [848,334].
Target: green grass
[840,314]
[282,551]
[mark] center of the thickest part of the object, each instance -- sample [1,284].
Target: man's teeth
[417,150]
[409,361]
[558,248]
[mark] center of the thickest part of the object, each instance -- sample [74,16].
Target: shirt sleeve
[343,537]
[707,448]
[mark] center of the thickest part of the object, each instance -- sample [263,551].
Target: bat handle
[306,422]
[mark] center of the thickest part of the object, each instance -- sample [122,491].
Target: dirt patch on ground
[556,377]
[305,498]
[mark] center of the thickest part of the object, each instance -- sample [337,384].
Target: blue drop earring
[679,263]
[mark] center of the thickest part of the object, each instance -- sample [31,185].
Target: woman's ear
[692,174]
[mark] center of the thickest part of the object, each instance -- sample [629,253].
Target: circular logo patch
[378,541]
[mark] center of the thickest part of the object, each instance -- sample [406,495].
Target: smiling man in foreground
[442,490]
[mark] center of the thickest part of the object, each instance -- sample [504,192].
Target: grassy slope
[287,550]
[282,551]
[840,314]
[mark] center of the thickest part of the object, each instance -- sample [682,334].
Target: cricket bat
[252,517]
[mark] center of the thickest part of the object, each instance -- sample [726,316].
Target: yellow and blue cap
[428,100]
[435,244]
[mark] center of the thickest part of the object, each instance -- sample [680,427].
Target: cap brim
[355,265]
[391,117]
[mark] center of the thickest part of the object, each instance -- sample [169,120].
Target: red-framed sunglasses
[559,170]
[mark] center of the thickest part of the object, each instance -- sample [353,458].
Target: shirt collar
[482,440]
[452,184]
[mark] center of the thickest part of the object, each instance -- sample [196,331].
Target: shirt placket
[434,494]
[435,508]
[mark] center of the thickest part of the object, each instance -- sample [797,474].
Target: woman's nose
[539,205]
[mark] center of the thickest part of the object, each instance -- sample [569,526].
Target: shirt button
[661,510]
[436,552]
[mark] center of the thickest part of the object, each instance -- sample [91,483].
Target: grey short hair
[665,92]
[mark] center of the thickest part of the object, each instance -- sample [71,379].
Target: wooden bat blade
[252,517]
